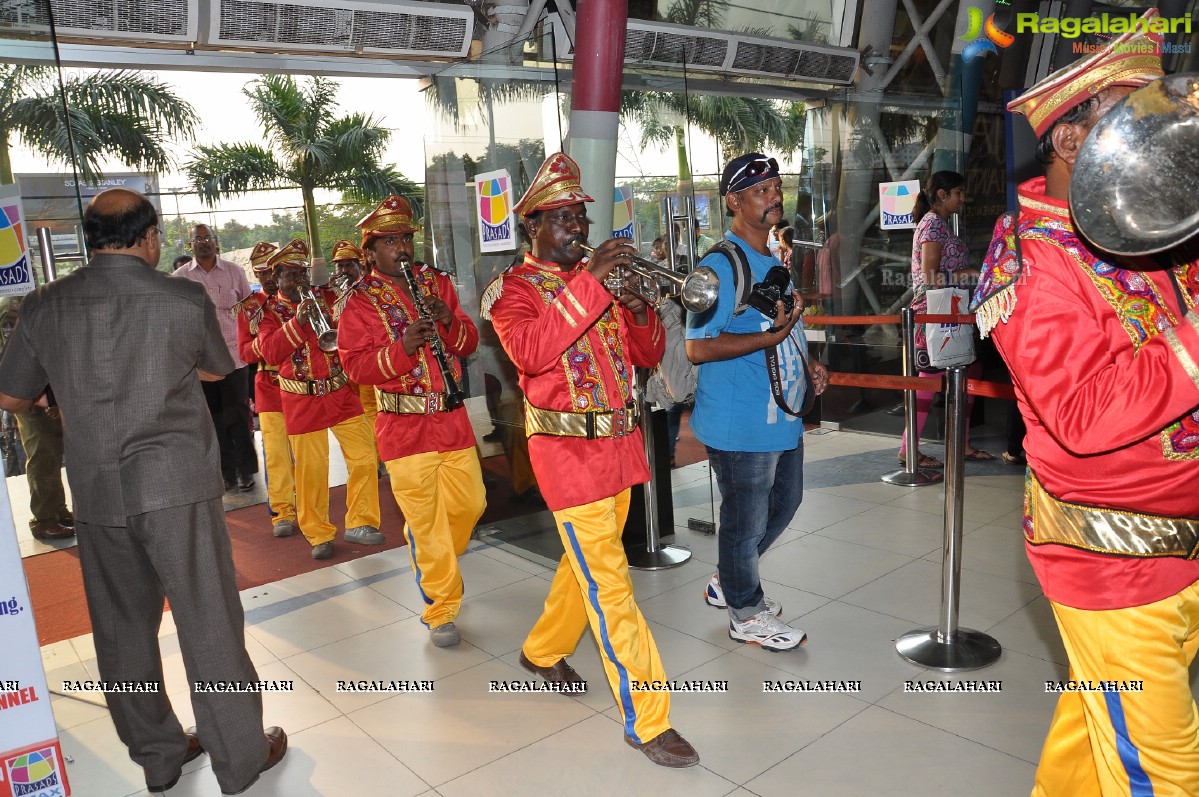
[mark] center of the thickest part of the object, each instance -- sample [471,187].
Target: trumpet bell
[700,289]
[1133,188]
[328,341]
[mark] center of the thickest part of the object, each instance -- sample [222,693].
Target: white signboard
[31,763]
[897,204]
[497,228]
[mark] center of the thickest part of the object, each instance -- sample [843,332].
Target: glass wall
[34,113]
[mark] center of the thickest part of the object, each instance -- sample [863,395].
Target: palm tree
[306,146]
[85,119]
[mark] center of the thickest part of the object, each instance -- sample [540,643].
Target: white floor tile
[913,592]
[881,753]
[589,759]
[324,621]
[473,726]
[1014,720]
[828,567]
[398,652]
[893,528]
[743,733]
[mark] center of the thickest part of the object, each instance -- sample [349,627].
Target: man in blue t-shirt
[754,446]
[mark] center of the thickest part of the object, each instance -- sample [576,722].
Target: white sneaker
[714,596]
[768,631]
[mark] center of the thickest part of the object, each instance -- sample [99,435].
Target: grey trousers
[182,553]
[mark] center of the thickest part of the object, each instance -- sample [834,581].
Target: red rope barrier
[857,320]
[924,318]
[848,320]
[997,390]
[976,387]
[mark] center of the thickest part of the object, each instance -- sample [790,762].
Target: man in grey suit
[124,348]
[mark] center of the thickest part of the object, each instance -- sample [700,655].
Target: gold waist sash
[1101,530]
[411,404]
[272,368]
[591,425]
[314,387]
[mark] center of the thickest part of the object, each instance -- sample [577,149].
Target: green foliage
[124,115]
[334,222]
[304,145]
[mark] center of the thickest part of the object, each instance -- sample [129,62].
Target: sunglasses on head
[751,171]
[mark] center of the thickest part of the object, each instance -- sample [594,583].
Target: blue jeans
[760,493]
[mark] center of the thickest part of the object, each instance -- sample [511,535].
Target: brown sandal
[926,462]
[978,455]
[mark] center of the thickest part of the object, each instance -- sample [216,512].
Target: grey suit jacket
[120,344]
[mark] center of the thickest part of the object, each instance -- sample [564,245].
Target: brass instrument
[454,397]
[1133,188]
[326,335]
[651,282]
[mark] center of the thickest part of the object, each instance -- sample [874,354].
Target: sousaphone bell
[1135,185]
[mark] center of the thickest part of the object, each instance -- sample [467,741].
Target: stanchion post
[947,647]
[911,475]
[655,556]
[45,248]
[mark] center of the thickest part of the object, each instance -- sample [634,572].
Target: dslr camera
[776,287]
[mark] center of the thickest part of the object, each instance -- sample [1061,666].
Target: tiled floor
[859,566]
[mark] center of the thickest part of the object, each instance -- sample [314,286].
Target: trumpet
[326,335]
[697,290]
[454,395]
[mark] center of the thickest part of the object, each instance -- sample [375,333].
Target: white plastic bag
[949,344]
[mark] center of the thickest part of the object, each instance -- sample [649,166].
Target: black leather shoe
[193,752]
[245,482]
[277,739]
[667,749]
[558,673]
[55,531]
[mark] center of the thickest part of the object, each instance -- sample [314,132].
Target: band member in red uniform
[424,433]
[1103,358]
[574,347]
[349,266]
[280,479]
[316,397]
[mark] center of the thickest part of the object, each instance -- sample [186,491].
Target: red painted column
[595,103]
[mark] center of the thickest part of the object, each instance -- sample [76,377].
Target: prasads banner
[897,204]
[497,229]
[623,213]
[16,266]
[31,763]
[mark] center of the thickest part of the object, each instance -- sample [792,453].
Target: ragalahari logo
[994,41]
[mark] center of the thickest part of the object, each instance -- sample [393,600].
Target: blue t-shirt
[734,408]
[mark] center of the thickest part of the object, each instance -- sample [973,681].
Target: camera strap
[776,384]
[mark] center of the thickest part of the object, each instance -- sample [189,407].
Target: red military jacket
[266,383]
[1103,362]
[286,342]
[575,348]
[370,328]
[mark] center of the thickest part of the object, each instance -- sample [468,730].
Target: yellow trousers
[442,497]
[312,478]
[1129,743]
[280,479]
[592,586]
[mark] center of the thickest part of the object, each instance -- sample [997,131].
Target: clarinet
[454,395]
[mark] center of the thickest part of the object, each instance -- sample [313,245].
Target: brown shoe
[559,673]
[667,749]
[277,739]
[193,752]
[54,531]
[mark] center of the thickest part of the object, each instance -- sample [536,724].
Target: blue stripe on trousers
[416,567]
[1138,782]
[626,697]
